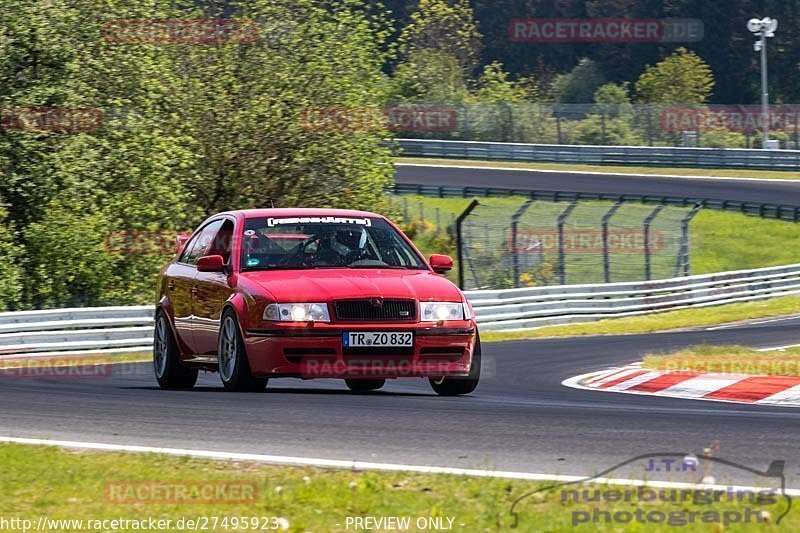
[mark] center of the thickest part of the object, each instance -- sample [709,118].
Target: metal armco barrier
[604,155]
[64,331]
[564,304]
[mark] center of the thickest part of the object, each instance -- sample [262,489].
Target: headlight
[436,311]
[316,312]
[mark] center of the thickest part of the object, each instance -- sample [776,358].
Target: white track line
[777,348]
[752,323]
[597,173]
[363,465]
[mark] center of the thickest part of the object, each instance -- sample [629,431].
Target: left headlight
[300,312]
[436,311]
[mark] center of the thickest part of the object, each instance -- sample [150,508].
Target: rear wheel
[170,373]
[456,386]
[364,385]
[234,369]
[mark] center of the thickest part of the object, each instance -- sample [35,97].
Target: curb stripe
[630,383]
[699,386]
[605,377]
[780,391]
[621,379]
[789,396]
[662,382]
[753,389]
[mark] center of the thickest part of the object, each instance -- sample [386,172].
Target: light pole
[763,28]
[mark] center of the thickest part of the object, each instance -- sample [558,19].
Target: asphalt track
[519,419]
[759,191]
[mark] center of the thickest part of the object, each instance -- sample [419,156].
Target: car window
[325,242]
[200,243]
[222,241]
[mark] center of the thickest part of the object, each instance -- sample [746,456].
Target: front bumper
[441,349]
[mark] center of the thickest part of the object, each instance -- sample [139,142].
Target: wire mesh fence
[516,243]
[711,126]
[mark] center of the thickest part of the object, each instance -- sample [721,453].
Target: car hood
[334,284]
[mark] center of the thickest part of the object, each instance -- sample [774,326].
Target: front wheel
[234,369]
[170,373]
[364,385]
[456,386]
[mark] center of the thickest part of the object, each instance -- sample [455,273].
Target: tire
[234,369]
[457,386]
[169,371]
[364,385]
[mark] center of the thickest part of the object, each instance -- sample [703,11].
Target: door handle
[171,285]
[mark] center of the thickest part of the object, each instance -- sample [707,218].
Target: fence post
[683,262]
[558,128]
[459,243]
[603,125]
[604,223]
[515,253]
[562,263]
[647,222]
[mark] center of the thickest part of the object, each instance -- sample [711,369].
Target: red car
[311,293]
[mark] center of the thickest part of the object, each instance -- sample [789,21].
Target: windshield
[325,242]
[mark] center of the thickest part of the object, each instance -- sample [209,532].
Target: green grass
[80,359]
[685,318]
[728,360]
[711,172]
[44,481]
[732,241]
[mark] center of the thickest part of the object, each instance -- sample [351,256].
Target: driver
[338,246]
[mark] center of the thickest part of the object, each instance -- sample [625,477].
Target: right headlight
[438,311]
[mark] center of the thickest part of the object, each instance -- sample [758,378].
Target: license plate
[361,339]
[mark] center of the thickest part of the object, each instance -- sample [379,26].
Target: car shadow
[293,391]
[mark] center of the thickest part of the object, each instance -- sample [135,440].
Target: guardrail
[110,329]
[56,331]
[604,155]
[543,306]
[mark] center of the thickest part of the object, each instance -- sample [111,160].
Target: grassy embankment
[729,360]
[43,481]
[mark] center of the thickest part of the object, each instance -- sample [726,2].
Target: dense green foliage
[192,128]
[726,45]
[188,130]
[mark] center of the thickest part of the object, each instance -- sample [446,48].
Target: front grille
[365,309]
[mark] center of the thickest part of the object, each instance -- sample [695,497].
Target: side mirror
[211,263]
[180,242]
[441,263]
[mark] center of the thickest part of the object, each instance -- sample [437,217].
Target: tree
[579,85]
[430,76]
[681,78]
[444,27]
[188,129]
